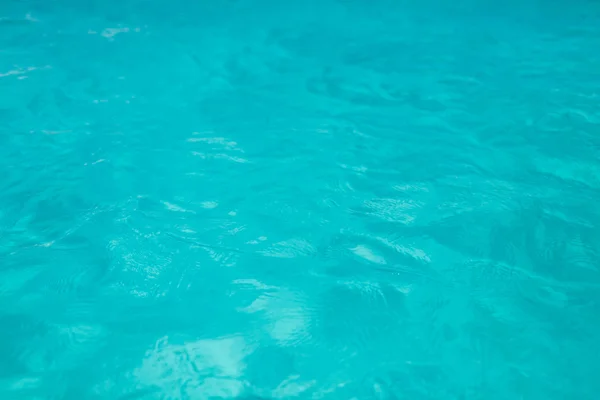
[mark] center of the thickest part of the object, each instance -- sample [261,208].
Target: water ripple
[255,200]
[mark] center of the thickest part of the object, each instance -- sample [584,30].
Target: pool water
[332,199]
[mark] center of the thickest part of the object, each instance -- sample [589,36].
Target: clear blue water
[309,199]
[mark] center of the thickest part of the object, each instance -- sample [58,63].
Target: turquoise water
[299,199]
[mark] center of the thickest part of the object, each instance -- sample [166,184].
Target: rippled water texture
[314,199]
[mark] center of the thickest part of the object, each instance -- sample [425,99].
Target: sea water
[311,199]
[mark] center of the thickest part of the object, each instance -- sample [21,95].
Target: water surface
[262,199]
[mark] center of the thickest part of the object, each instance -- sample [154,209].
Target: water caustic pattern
[324,199]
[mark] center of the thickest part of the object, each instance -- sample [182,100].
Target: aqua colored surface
[309,199]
